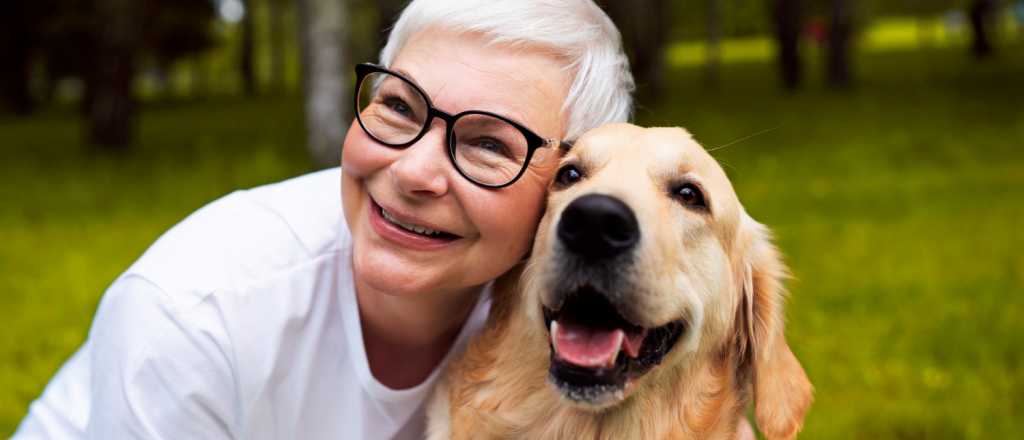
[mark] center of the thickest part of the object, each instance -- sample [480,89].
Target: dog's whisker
[744,138]
[728,165]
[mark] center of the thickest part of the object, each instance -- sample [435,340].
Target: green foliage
[65,31]
[178,28]
[914,7]
[739,18]
[898,206]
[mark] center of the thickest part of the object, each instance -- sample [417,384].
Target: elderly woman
[269,314]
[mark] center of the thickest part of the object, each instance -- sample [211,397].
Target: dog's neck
[505,375]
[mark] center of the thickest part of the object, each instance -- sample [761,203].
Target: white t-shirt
[240,322]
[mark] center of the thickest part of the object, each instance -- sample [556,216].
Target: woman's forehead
[462,72]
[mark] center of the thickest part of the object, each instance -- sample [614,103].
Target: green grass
[899,205]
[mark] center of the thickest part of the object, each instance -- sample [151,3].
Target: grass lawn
[899,205]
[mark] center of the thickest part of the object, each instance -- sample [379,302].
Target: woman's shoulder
[249,235]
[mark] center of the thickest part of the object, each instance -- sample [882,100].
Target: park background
[882,141]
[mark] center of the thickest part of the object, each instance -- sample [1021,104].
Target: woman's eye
[490,144]
[690,195]
[399,106]
[568,175]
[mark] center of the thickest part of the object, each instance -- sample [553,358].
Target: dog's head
[645,257]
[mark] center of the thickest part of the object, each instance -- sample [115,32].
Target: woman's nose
[421,168]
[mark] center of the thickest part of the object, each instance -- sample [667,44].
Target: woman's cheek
[360,155]
[519,229]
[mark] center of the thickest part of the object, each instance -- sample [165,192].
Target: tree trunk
[981,12]
[16,36]
[15,75]
[111,112]
[840,29]
[387,13]
[277,50]
[714,48]
[326,84]
[245,61]
[644,27]
[788,22]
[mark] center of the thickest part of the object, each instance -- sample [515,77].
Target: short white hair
[577,31]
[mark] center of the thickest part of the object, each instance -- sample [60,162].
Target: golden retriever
[651,308]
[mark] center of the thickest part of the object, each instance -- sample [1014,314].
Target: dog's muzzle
[597,345]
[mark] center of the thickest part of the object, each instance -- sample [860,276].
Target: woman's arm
[160,369]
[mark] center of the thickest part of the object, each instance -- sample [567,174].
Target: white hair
[576,31]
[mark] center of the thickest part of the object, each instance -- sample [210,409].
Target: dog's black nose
[597,226]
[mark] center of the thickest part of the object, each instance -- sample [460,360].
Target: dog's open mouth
[596,351]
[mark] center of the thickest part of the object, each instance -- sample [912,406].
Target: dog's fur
[716,270]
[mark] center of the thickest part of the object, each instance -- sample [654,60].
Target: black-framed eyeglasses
[489,150]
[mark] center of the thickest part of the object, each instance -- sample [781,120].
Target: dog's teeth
[615,355]
[553,332]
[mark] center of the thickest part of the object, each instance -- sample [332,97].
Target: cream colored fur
[717,270]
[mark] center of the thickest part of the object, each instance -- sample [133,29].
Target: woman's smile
[406,231]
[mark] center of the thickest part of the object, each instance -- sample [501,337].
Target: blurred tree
[111,111]
[387,13]
[66,44]
[840,34]
[246,57]
[174,29]
[369,24]
[714,49]
[644,25]
[16,36]
[102,43]
[124,32]
[917,8]
[787,15]
[322,25]
[688,20]
[981,13]
[275,30]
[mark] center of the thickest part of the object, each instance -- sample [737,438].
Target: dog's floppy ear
[782,392]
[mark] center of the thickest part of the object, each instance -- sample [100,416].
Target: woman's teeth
[409,227]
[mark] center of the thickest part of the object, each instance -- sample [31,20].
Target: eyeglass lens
[485,148]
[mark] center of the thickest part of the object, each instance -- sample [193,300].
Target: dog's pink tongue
[586,346]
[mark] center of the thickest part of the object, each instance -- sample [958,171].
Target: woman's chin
[389,274]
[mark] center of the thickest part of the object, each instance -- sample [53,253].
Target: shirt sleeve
[160,369]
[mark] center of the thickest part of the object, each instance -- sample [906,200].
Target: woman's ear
[782,392]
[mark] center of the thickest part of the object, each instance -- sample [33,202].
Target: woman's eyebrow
[407,76]
[508,113]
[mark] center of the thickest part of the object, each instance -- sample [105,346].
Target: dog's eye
[690,195]
[568,175]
